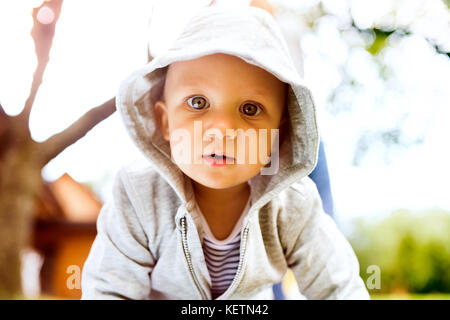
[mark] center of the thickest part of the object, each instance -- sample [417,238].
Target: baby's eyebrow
[260,96]
[261,93]
[204,86]
[257,92]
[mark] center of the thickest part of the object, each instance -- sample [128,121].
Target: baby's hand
[263,4]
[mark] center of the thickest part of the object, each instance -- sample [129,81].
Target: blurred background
[379,72]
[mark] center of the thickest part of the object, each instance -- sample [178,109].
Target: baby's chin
[220,178]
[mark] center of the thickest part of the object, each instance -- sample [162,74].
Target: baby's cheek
[264,143]
[263,147]
[181,146]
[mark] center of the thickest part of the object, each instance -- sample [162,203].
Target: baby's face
[206,101]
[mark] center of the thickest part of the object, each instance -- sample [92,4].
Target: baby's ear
[283,120]
[161,117]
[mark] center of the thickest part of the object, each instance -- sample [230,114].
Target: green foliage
[447,3]
[411,249]
[380,40]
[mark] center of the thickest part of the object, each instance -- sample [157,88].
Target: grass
[414,296]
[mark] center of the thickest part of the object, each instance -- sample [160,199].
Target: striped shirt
[222,256]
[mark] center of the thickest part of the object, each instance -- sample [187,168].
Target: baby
[224,207]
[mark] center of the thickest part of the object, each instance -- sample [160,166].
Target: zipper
[238,276]
[188,258]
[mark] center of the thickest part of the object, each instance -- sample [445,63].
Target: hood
[248,33]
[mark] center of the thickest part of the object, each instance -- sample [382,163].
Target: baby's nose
[216,133]
[223,124]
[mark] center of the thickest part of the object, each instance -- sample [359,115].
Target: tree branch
[3,114]
[54,145]
[4,131]
[42,35]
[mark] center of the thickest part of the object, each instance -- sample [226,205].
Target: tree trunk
[21,161]
[20,179]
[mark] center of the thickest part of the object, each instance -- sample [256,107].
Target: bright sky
[99,43]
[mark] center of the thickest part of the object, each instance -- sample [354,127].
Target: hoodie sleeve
[322,260]
[119,263]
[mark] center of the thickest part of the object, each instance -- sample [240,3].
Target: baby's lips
[217,154]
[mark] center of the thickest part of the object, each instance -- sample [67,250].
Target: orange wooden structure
[64,229]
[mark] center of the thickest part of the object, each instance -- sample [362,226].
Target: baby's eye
[198,102]
[250,109]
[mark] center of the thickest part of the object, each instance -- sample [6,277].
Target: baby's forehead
[215,62]
[219,69]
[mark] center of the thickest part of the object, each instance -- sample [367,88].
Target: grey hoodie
[149,241]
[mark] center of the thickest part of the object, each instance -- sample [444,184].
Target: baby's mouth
[218,158]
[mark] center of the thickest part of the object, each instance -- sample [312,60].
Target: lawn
[430,296]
